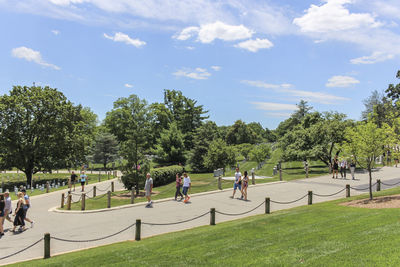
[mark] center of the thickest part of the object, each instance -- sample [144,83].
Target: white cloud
[273,106]
[255,45]
[55,32]
[279,114]
[333,16]
[207,33]
[128,85]
[341,81]
[373,58]
[124,38]
[32,55]
[197,74]
[317,97]
[216,68]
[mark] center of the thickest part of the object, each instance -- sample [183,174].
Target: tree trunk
[370,183]
[28,175]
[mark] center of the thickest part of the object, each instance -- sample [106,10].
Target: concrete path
[84,226]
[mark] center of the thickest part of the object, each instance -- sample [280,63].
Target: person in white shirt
[8,206]
[238,182]
[148,187]
[186,186]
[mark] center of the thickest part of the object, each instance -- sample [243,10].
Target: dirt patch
[128,195]
[385,202]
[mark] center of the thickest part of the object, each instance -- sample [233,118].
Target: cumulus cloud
[317,97]
[255,45]
[341,81]
[128,85]
[216,68]
[124,38]
[32,55]
[55,32]
[373,58]
[207,33]
[197,74]
[333,16]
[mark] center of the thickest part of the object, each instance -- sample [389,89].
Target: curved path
[83,226]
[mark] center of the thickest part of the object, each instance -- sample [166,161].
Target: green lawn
[324,234]
[203,182]
[92,178]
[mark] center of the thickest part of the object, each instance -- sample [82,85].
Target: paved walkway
[76,226]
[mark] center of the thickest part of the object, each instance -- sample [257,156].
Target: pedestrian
[245,185]
[19,214]
[186,186]
[83,180]
[72,180]
[148,187]
[352,168]
[178,186]
[343,167]
[335,167]
[2,214]
[26,206]
[8,206]
[238,182]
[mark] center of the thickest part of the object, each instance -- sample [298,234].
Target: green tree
[245,149]
[303,109]
[203,136]
[260,153]
[219,155]
[240,133]
[393,91]
[40,130]
[365,142]
[170,147]
[130,121]
[186,113]
[105,149]
[162,117]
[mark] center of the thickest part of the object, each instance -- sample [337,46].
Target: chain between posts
[241,213]
[289,202]
[362,189]
[329,195]
[192,219]
[22,250]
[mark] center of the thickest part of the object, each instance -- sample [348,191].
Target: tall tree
[260,153]
[130,121]
[203,136]
[187,114]
[40,130]
[393,91]
[365,142]
[374,99]
[219,155]
[295,119]
[170,147]
[240,133]
[105,149]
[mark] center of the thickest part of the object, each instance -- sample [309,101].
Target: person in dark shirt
[73,180]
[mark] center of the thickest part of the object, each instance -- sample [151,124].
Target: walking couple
[186,186]
[241,183]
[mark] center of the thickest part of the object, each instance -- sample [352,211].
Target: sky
[249,60]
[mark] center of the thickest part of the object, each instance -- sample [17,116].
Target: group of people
[22,206]
[74,178]
[241,183]
[343,165]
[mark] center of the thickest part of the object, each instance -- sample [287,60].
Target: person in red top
[178,186]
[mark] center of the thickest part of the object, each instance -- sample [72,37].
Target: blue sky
[249,60]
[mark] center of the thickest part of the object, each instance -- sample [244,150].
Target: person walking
[335,167]
[26,206]
[19,219]
[245,185]
[352,168]
[178,187]
[83,180]
[148,187]
[343,167]
[2,214]
[8,206]
[73,180]
[238,182]
[186,186]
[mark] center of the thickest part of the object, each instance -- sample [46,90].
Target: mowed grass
[92,178]
[324,234]
[204,182]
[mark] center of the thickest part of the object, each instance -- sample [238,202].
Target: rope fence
[212,213]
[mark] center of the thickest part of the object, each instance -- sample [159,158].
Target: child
[186,186]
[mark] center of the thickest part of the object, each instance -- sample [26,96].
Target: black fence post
[138,230]
[212,216]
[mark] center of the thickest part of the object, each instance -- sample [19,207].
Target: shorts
[83,183]
[148,193]
[72,181]
[235,186]
[185,190]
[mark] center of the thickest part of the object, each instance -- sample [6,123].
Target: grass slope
[324,234]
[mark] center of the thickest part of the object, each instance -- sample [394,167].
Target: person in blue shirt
[83,180]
